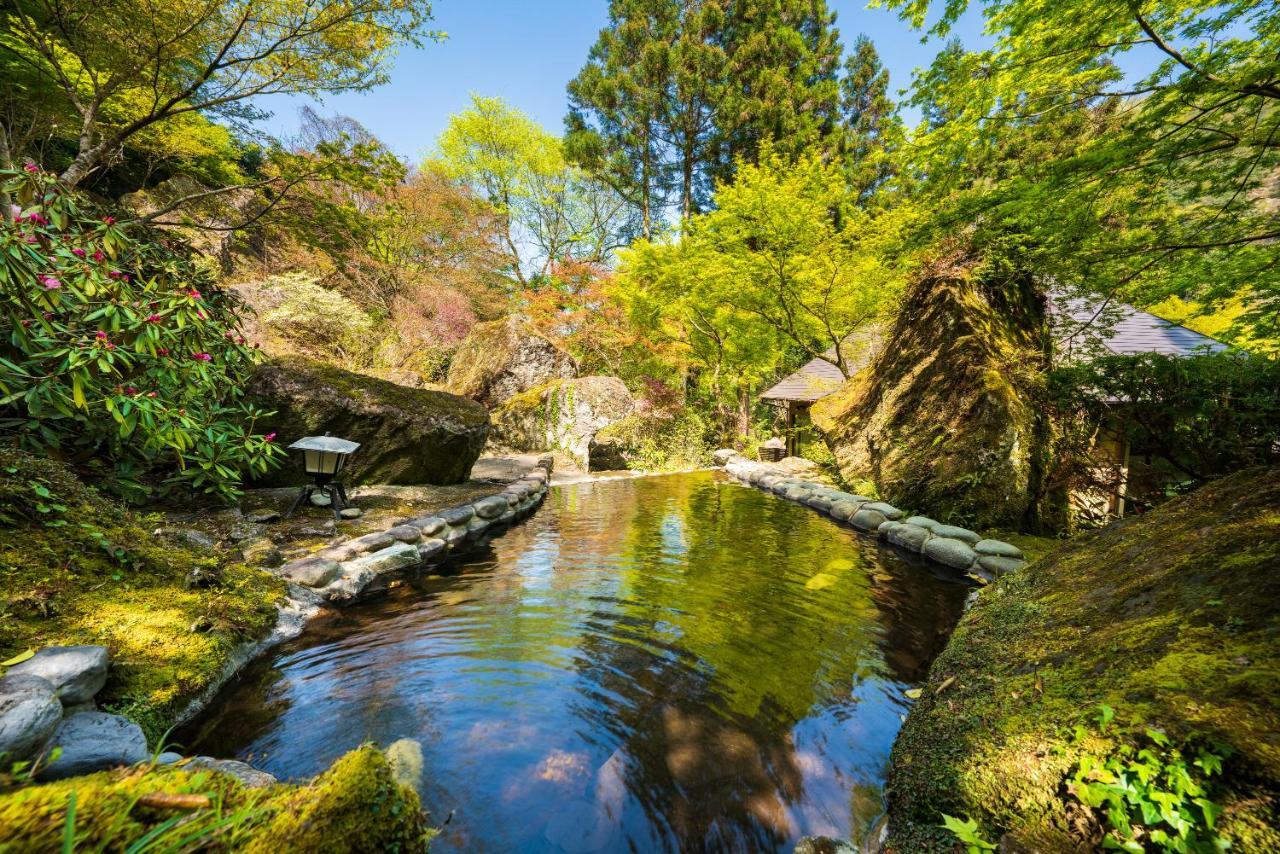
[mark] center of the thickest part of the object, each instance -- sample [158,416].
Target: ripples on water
[666,663]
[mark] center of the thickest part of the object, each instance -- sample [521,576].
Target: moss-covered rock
[1171,619]
[406,435]
[502,358]
[354,806]
[942,420]
[76,568]
[563,415]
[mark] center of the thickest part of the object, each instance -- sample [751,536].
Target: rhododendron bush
[118,353]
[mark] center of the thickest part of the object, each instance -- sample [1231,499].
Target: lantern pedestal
[334,489]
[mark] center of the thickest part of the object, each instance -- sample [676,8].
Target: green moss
[354,806]
[93,573]
[1170,618]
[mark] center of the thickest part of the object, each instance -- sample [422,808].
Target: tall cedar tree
[623,87]
[869,117]
[784,65]
[675,92]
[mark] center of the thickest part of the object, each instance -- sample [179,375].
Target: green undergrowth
[355,806]
[77,568]
[1169,619]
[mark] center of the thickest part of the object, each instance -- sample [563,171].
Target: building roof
[1124,330]
[1082,324]
[818,378]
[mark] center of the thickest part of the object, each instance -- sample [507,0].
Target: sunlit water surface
[666,663]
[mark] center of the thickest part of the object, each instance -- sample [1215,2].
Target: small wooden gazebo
[797,392]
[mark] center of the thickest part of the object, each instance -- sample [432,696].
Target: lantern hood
[330,444]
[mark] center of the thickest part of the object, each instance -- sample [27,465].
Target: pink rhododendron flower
[98,256]
[109,220]
[151,394]
[50,283]
[100,335]
[194,294]
[130,390]
[115,274]
[155,318]
[270,437]
[31,168]
[163,351]
[78,252]
[204,357]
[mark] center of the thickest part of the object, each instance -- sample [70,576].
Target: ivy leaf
[19,658]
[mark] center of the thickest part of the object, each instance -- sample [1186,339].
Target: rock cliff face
[502,358]
[407,435]
[562,415]
[1169,619]
[942,419]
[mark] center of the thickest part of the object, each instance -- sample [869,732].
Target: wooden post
[791,428]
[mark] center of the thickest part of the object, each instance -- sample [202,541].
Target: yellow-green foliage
[354,806]
[89,571]
[1170,618]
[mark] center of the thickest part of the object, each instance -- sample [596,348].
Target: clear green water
[666,663]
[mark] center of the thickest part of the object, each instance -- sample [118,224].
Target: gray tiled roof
[1126,330]
[818,378]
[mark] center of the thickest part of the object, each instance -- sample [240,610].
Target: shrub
[117,353]
[1198,417]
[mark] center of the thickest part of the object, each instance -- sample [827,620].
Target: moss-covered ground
[355,806]
[77,568]
[1171,619]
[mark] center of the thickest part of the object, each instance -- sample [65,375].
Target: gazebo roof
[818,378]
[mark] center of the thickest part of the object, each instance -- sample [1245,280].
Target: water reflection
[675,663]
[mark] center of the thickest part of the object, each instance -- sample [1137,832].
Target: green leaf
[18,659]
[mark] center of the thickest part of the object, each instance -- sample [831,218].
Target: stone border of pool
[340,574]
[949,545]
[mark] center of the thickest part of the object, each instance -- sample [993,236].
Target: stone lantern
[323,458]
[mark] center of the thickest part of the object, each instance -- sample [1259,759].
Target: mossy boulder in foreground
[406,435]
[1171,619]
[77,568]
[942,419]
[355,806]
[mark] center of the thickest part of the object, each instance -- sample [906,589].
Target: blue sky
[526,51]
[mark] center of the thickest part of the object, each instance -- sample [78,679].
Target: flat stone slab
[887,510]
[956,554]
[249,777]
[311,571]
[842,510]
[404,533]
[75,672]
[429,525]
[997,548]
[998,565]
[457,515]
[907,536]
[94,741]
[428,549]
[491,507]
[952,532]
[867,519]
[398,556]
[29,715]
[370,542]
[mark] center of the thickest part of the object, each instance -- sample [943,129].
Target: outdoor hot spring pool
[661,663]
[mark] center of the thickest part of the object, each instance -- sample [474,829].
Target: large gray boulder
[406,435]
[502,358]
[94,741]
[29,716]
[564,415]
[76,673]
